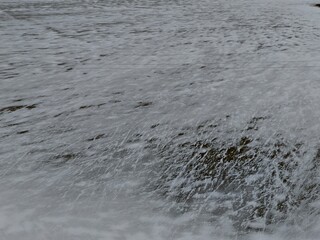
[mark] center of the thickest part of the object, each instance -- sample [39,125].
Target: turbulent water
[159,119]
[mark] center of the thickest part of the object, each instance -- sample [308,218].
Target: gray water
[163,119]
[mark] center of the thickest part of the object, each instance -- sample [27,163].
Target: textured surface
[163,119]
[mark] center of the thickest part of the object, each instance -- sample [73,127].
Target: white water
[110,111]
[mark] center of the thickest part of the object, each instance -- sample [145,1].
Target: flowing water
[159,119]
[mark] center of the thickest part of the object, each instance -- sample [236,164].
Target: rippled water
[169,119]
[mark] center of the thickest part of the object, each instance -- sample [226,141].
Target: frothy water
[159,119]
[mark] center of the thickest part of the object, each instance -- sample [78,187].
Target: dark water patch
[59,114]
[54,30]
[61,159]
[23,132]
[139,31]
[30,34]
[90,106]
[31,106]
[143,104]
[83,31]
[11,108]
[253,123]
[6,135]
[14,124]
[18,100]
[16,108]
[11,76]
[118,93]
[99,136]
[67,156]
[206,125]
[87,106]
[155,125]
[114,101]
[84,60]
[114,23]
[317,5]
[135,138]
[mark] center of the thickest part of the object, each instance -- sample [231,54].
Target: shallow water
[159,119]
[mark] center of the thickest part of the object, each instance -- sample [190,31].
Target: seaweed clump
[258,181]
